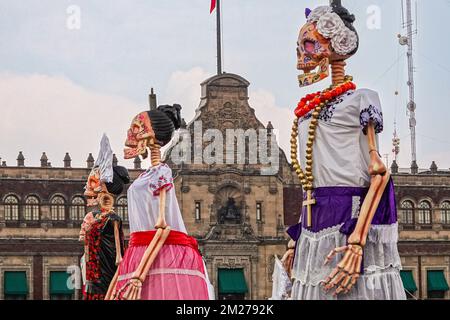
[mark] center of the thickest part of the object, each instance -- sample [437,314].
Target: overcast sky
[61,88]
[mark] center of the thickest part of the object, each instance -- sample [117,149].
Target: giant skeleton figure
[162,261]
[345,246]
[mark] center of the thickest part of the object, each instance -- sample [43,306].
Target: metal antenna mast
[408,41]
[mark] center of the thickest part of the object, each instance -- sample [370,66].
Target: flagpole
[219,40]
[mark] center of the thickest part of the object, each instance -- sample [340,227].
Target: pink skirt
[176,274]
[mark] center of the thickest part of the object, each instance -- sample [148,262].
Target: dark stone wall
[292,200]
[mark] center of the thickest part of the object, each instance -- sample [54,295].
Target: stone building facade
[235,210]
[237,214]
[423,202]
[41,212]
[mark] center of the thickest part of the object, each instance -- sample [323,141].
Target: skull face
[138,136]
[313,50]
[94,186]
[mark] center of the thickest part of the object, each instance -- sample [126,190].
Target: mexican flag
[213,6]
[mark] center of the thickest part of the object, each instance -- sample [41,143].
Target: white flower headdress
[330,26]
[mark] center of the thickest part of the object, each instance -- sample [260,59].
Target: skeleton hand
[288,260]
[347,272]
[132,290]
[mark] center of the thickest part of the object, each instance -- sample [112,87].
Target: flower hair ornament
[331,26]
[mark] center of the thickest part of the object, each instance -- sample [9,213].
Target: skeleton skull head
[94,186]
[139,136]
[324,38]
[313,51]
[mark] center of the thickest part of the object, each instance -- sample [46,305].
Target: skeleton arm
[134,287]
[117,243]
[380,179]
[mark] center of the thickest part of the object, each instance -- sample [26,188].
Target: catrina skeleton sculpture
[345,245]
[162,261]
[101,230]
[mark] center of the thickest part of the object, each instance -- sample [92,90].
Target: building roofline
[226,75]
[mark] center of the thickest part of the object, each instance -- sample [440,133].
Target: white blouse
[341,150]
[143,200]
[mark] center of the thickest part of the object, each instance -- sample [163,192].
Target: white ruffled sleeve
[370,111]
[161,179]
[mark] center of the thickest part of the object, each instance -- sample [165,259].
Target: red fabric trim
[167,186]
[140,239]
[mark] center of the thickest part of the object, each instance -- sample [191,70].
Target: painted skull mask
[313,51]
[94,187]
[138,136]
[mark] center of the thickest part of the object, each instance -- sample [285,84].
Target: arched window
[122,208]
[407,212]
[11,208]
[445,212]
[58,208]
[32,210]
[425,212]
[77,209]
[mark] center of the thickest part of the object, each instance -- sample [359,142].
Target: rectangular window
[437,285]
[259,211]
[424,217]
[60,286]
[408,217]
[446,216]
[198,210]
[15,285]
[31,212]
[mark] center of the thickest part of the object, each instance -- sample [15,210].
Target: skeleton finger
[331,276]
[336,272]
[127,292]
[139,293]
[337,280]
[353,282]
[333,253]
[343,287]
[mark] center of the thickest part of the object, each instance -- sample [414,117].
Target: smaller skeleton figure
[101,231]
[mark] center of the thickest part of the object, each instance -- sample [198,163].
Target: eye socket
[135,128]
[310,46]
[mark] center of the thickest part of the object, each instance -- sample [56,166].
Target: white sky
[60,89]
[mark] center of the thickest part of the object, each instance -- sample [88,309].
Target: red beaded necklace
[313,100]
